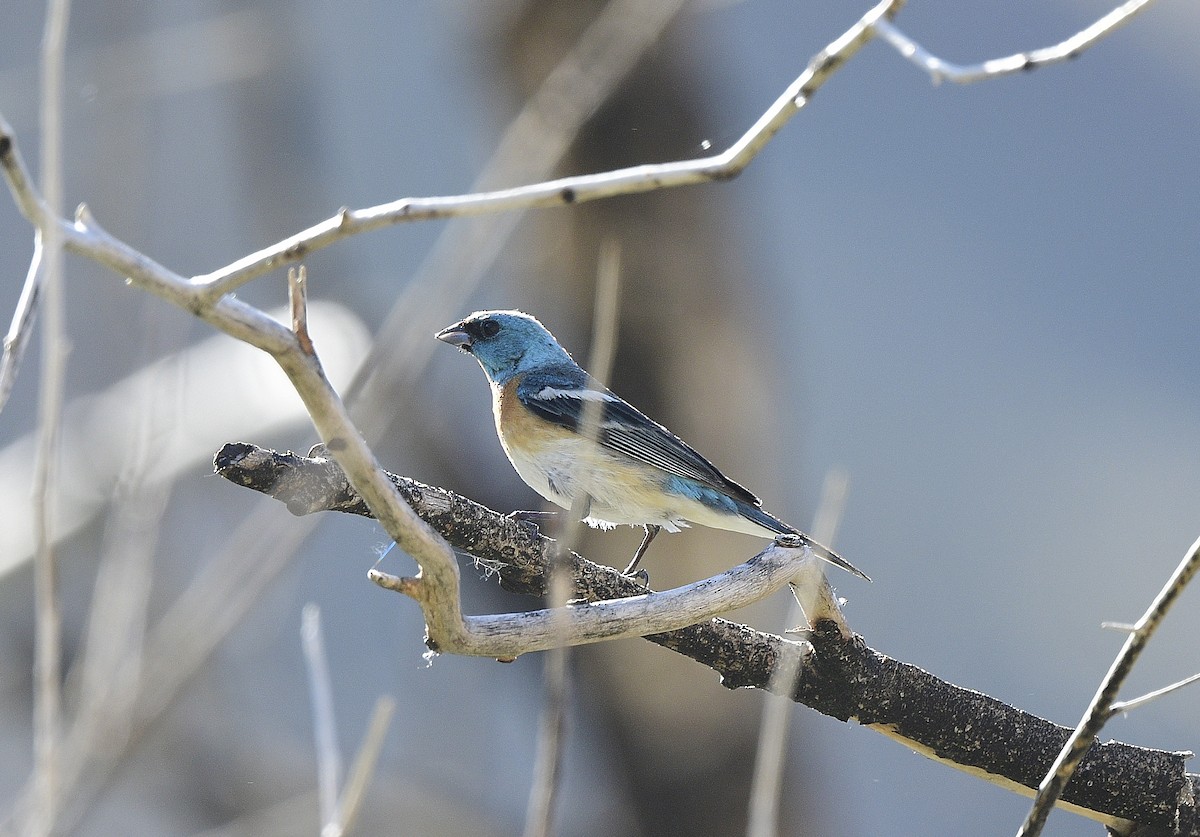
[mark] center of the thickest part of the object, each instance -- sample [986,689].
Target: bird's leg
[651,531]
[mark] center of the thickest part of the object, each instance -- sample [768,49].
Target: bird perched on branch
[572,440]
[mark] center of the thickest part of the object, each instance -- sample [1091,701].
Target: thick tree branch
[621,606]
[1118,784]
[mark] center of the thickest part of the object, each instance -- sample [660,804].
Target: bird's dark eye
[483,329]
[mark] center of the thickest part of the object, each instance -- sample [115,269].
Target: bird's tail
[757,515]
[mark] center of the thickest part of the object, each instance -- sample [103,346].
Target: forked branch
[1117,784]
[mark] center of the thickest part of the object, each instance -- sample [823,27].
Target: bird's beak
[455,335]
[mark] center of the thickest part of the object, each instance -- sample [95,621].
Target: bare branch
[551,742]
[298,301]
[204,290]
[23,319]
[320,691]
[941,70]
[1101,707]
[364,764]
[47,718]
[563,191]
[505,636]
[1126,705]
[1120,627]
[637,612]
[841,677]
[552,726]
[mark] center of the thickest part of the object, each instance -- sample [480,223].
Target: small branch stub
[298,299]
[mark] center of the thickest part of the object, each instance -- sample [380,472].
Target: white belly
[634,500]
[615,493]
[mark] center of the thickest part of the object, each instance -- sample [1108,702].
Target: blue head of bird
[506,343]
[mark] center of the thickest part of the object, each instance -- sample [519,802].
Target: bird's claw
[532,515]
[641,576]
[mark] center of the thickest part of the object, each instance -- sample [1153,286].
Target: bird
[629,470]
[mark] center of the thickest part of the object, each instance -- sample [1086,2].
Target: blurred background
[978,302]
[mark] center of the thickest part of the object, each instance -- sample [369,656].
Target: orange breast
[519,429]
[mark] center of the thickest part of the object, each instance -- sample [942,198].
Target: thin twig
[364,763]
[508,635]
[552,731]
[1120,627]
[298,302]
[551,743]
[320,692]
[24,317]
[563,191]
[106,678]
[204,289]
[47,723]
[606,311]
[1101,707]
[720,166]
[941,70]
[767,782]
[1127,705]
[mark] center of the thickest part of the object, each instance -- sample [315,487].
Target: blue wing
[560,395]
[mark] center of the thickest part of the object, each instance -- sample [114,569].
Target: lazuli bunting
[633,471]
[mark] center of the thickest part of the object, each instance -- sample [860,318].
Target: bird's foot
[640,576]
[651,532]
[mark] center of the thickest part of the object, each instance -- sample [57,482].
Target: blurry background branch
[48,662]
[241,572]
[815,602]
